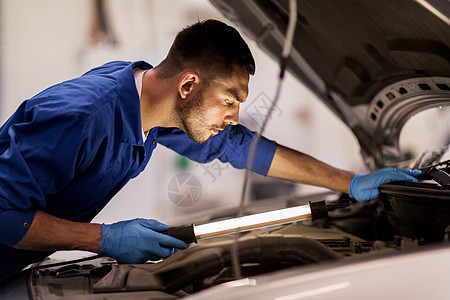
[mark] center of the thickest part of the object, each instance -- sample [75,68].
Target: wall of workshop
[47,41]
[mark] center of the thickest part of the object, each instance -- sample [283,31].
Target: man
[68,150]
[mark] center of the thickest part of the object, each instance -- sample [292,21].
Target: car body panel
[380,278]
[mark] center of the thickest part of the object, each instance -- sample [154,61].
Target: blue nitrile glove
[365,187]
[137,241]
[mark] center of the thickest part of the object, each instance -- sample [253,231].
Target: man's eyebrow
[234,93]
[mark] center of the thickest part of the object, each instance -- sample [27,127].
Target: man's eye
[229,102]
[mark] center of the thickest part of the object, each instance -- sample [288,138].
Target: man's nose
[232,116]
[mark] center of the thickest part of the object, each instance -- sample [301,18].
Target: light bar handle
[184,233]
[318,210]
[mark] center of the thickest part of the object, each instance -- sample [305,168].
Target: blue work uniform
[68,150]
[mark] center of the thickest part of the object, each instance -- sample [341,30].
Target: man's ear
[187,83]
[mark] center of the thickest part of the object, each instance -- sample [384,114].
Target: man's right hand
[137,241]
[365,187]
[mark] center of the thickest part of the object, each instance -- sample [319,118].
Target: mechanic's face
[215,106]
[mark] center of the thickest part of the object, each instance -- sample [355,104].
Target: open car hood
[374,63]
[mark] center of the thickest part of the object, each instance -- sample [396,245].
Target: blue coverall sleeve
[38,157]
[231,145]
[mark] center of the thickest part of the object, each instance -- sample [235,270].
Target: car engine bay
[382,227]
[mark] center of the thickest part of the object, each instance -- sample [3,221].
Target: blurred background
[44,42]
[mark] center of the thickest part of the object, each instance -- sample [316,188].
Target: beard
[194,122]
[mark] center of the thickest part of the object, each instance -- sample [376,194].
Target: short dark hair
[211,47]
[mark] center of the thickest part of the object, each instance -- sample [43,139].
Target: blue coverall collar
[130,104]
